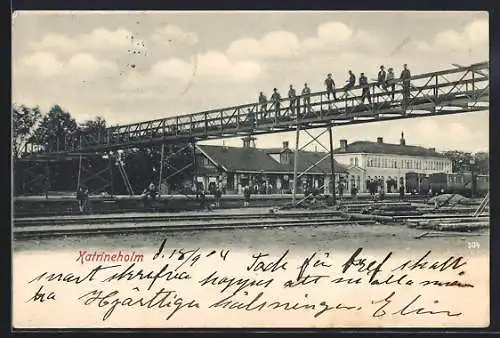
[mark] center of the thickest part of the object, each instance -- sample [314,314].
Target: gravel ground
[345,237]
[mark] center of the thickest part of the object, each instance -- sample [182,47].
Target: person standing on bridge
[306,94]
[363,82]
[381,78]
[351,82]
[389,82]
[292,95]
[276,98]
[263,103]
[330,87]
[405,77]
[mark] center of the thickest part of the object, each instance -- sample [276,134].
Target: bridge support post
[314,167]
[94,173]
[332,165]
[161,168]
[177,162]
[35,177]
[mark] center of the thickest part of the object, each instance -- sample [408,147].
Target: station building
[270,170]
[266,170]
[366,161]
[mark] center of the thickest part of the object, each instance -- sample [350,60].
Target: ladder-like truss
[451,91]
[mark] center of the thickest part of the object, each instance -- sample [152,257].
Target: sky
[135,66]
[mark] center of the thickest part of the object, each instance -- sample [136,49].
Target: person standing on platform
[401,192]
[389,82]
[246,195]
[218,196]
[262,103]
[292,95]
[381,78]
[363,82]
[276,98]
[306,94]
[330,87]
[82,196]
[405,77]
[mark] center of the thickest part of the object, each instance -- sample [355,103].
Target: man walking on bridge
[405,76]
[363,82]
[262,103]
[275,98]
[306,94]
[389,82]
[330,87]
[381,78]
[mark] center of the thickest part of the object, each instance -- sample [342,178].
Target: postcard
[246,169]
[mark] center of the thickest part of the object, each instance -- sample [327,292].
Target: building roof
[387,148]
[236,159]
[308,158]
[240,159]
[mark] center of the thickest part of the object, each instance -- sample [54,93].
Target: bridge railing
[427,92]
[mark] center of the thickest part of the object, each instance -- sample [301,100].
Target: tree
[55,128]
[25,120]
[482,162]
[461,161]
[94,126]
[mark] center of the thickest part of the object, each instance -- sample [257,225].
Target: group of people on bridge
[385,80]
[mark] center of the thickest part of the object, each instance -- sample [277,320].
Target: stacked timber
[452,224]
[356,217]
[392,209]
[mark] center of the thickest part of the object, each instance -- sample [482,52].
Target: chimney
[402,140]
[343,145]
[285,145]
[432,149]
[380,140]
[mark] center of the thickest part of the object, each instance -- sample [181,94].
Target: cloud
[328,34]
[55,42]
[273,44]
[45,64]
[104,38]
[87,65]
[211,65]
[79,66]
[474,34]
[217,64]
[173,68]
[174,34]
[478,31]
[97,40]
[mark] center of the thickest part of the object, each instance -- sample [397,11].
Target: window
[356,161]
[351,161]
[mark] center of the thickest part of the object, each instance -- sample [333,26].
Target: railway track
[43,221]
[84,229]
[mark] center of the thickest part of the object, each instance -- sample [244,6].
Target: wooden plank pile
[452,224]
[392,209]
